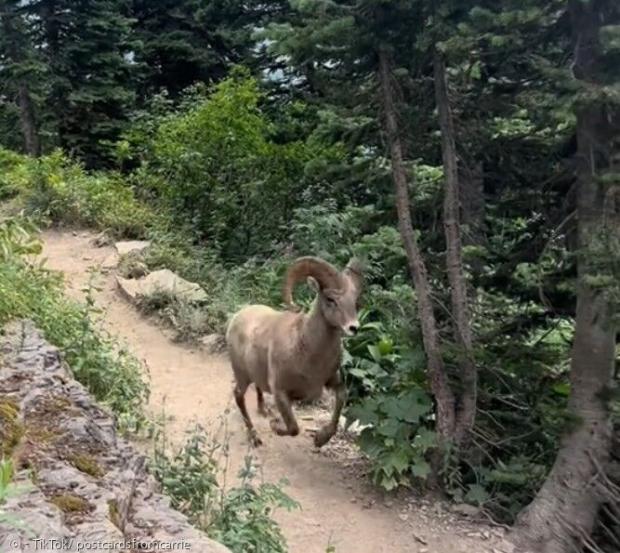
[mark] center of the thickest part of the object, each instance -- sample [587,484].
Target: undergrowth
[239,517]
[54,189]
[29,291]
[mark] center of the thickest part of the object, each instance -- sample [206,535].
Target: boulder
[213,343]
[163,281]
[91,487]
[131,246]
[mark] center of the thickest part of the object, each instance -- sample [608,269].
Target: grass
[29,291]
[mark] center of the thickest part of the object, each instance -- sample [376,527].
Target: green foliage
[29,291]
[389,400]
[213,163]
[56,190]
[240,517]
[244,521]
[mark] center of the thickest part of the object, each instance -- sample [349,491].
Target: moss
[114,514]
[11,430]
[71,503]
[40,434]
[87,464]
[56,404]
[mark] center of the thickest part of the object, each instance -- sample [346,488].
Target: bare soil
[339,507]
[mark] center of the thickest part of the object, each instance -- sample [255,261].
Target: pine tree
[563,514]
[89,53]
[189,41]
[19,72]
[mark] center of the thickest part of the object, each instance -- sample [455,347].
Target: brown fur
[295,355]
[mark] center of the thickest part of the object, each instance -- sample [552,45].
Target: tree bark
[440,386]
[466,412]
[562,515]
[32,144]
[471,182]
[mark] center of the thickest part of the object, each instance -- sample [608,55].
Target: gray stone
[163,281]
[131,246]
[121,500]
[466,509]
[213,343]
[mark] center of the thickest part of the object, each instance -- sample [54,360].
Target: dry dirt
[338,506]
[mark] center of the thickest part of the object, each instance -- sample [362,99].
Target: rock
[466,509]
[131,246]
[91,485]
[110,262]
[137,269]
[163,281]
[355,428]
[403,517]
[213,343]
[101,240]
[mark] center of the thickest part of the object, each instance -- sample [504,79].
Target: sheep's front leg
[325,434]
[288,425]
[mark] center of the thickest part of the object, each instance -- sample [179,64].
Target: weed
[241,517]
[9,489]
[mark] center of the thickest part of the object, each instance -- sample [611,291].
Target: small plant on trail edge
[239,517]
[9,489]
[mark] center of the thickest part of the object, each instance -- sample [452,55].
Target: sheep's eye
[330,301]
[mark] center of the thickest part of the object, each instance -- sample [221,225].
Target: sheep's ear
[355,270]
[314,284]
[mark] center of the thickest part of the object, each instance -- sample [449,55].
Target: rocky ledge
[77,486]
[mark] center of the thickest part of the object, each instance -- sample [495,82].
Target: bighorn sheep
[294,355]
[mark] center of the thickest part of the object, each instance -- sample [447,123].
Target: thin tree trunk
[436,369]
[562,515]
[471,182]
[466,413]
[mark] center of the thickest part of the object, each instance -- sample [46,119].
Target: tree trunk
[471,182]
[466,409]
[436,369]
[32,144]
[562,515]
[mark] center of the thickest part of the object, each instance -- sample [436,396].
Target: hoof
[323,436]
[255,440]
[280,428]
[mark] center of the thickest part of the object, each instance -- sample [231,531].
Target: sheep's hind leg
[263,410]
[288,425]
[326,432]
[240,399]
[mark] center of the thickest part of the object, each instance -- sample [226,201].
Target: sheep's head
[337,292]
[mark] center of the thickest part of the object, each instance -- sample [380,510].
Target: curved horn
[326,275]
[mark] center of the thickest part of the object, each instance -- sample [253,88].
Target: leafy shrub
[388,397]
[240,517]
[214,164]
[29,291]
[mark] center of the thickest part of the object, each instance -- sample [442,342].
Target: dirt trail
[338,506]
